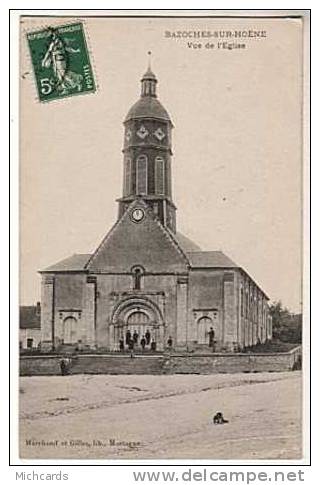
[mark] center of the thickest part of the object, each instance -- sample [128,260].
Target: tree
[287,326]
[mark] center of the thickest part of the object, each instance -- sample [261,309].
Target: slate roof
[148,107]
[187,245]
[29,317]
[198,259]
[76,262]
[210,259]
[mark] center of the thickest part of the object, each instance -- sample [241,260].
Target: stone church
[145,276]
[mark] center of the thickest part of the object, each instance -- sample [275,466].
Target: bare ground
[161,417]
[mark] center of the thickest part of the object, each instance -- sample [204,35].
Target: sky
[237,162]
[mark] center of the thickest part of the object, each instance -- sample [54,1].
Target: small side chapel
[145,277]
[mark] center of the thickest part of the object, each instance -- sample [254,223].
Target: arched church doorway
[139,317]
[70,330]
[203,328]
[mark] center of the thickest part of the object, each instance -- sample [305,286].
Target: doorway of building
[70,330]
[142,319]
[203,329]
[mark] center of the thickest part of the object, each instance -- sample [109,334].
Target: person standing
[148,337]
[121,344]
[131,347]
[211,338]
[143,342]
[128,337]
[135,337]
[169,342]
[63,366]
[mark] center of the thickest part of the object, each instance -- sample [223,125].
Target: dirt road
[161,416]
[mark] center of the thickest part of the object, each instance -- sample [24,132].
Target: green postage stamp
[61,62]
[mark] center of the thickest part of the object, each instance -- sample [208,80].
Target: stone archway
[136,315]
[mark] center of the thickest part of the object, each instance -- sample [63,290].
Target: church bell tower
[147,155]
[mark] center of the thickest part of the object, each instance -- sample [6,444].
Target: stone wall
[164,364]
[233,363]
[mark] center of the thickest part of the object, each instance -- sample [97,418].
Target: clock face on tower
[137,215]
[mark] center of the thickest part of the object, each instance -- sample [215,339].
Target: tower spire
[149,81]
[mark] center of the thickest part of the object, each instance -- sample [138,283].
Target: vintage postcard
[162,200]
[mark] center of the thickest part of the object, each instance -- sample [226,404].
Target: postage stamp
[61,62]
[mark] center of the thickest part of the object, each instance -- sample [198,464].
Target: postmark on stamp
[61,62]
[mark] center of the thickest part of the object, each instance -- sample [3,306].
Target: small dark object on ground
[219,419]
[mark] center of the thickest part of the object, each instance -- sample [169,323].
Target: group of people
[132,340]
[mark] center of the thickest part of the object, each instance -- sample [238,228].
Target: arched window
[137,273]
[141,175]
[159,176]
[127,176]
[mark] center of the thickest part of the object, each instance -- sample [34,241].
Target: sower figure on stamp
[56,55]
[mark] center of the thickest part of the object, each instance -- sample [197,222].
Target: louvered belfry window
[127,176]
[142,174]
[159,175]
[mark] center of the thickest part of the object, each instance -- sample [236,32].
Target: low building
[30,327]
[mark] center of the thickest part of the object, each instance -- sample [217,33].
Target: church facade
[145,277]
